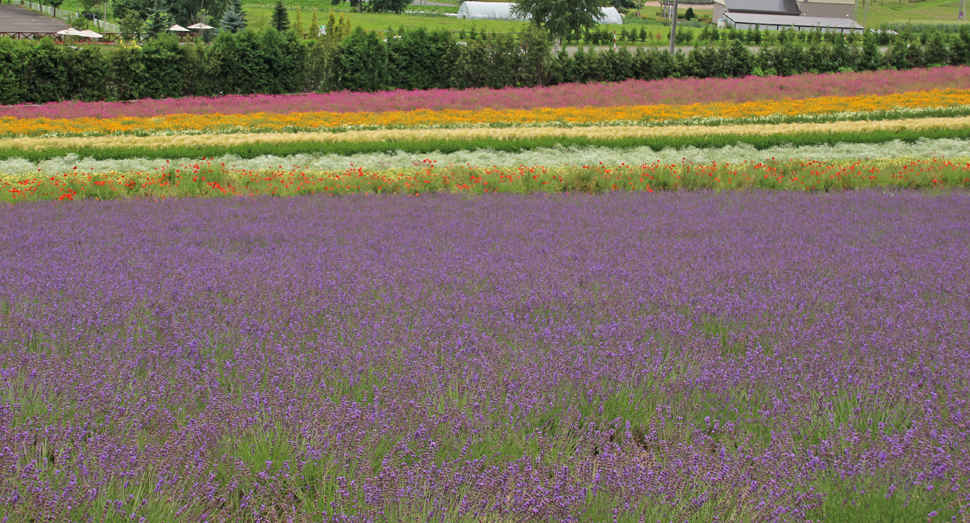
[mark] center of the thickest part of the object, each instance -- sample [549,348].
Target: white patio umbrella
[87,33]
[201,27]
[178,29]
[70,31]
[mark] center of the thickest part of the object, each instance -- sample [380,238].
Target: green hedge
[277,63]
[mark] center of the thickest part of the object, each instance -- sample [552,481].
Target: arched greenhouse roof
[487,11]
[610,16]
[503,11]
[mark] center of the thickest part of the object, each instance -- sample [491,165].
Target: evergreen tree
[232,20]
[130,25]
[280,19]
[331,26]
[343,27]
[298,24]
[314,25]
[158,21]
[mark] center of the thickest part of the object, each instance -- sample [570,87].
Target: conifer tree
[280,19]
[232,20]
[331,24]
[298,23]
[158,21]
[314,25]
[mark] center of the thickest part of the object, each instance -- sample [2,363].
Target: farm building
[800,15]
[503,11]
[815,8]
[796,23]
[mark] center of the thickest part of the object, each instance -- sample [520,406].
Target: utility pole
[673,27]
[865,15]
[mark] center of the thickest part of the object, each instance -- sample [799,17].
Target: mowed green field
[889,11]
[258,12]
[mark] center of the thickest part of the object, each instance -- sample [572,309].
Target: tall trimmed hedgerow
[363,62]
[11,71]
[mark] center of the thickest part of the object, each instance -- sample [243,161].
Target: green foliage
[561,17]
[280,20]
[55,4]
[242,68]
[90,5]
[285,63]
[162,60]
[122,8]
[12,61]
[415,59]
[363,62]
[233,20]
[201,71]
[89,74]
[45,72]
[392,6]
[158,21]
[131,25]
[501,60]
[314,25]
[272,62]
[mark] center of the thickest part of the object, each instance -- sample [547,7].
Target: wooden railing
[109,38]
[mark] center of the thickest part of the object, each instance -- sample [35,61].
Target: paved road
[427,2]
[16,19]
[697,7]
[571,49]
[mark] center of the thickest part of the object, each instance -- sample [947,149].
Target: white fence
[104,27]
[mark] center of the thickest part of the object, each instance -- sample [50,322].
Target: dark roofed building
[841,9]
[798,23]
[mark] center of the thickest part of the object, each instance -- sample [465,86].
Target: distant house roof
[765,21]
[503,11]
[768,7]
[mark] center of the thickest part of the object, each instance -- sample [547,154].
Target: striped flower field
[550,306]
[127,153]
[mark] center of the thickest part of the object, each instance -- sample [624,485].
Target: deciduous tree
[560,17]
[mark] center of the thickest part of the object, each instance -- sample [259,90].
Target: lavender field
[678,357]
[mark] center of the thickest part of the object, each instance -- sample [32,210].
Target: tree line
[274,62]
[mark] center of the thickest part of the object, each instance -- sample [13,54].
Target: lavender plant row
[549,157]
[681,357]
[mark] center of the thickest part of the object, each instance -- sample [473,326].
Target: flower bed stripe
[672,91]
[277,123]
[470,135]
[256,149]
[204,179]
[17,168]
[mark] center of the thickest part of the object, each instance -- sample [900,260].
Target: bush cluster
[275,63]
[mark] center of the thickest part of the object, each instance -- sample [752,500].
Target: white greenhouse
[503,11]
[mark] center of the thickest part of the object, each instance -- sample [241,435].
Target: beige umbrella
[87,33]
[70,31]
[178,29]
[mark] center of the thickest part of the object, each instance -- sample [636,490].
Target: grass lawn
[259,17]
[880,11]
[890,11]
